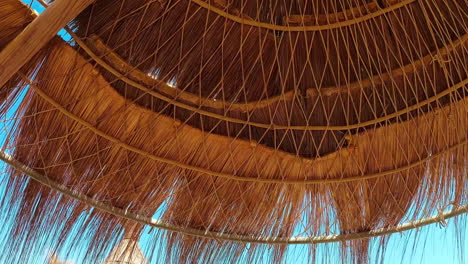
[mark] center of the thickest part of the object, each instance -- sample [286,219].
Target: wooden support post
[37,34]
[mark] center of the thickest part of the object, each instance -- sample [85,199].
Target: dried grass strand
[70,154]
[119,64]
[89,201]
[135,84]
[227,175]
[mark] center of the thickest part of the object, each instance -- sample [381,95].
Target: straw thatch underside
[236,128]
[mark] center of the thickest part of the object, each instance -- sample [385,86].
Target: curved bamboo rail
[145,89]
[119,64]
[227,175]
[137,85]
[270,26]
[323,19]
[89,201]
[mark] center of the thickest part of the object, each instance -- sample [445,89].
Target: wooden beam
[37,34]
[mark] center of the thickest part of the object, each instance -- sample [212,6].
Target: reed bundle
[215,115]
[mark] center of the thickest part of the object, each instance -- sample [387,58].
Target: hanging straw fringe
[441,217]
[105,140]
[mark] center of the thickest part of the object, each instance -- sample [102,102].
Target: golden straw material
[268,126]
[111,61]
[69,80]
[224,131]
[317,113]
[234,177]
[213,235]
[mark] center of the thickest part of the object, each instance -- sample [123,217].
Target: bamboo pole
[37,34]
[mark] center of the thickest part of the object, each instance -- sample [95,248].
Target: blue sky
[436,244]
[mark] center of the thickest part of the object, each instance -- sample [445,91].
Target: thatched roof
[126,252]
[247,118]
[55,260]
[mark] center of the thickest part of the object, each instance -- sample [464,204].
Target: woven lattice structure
[237,121]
